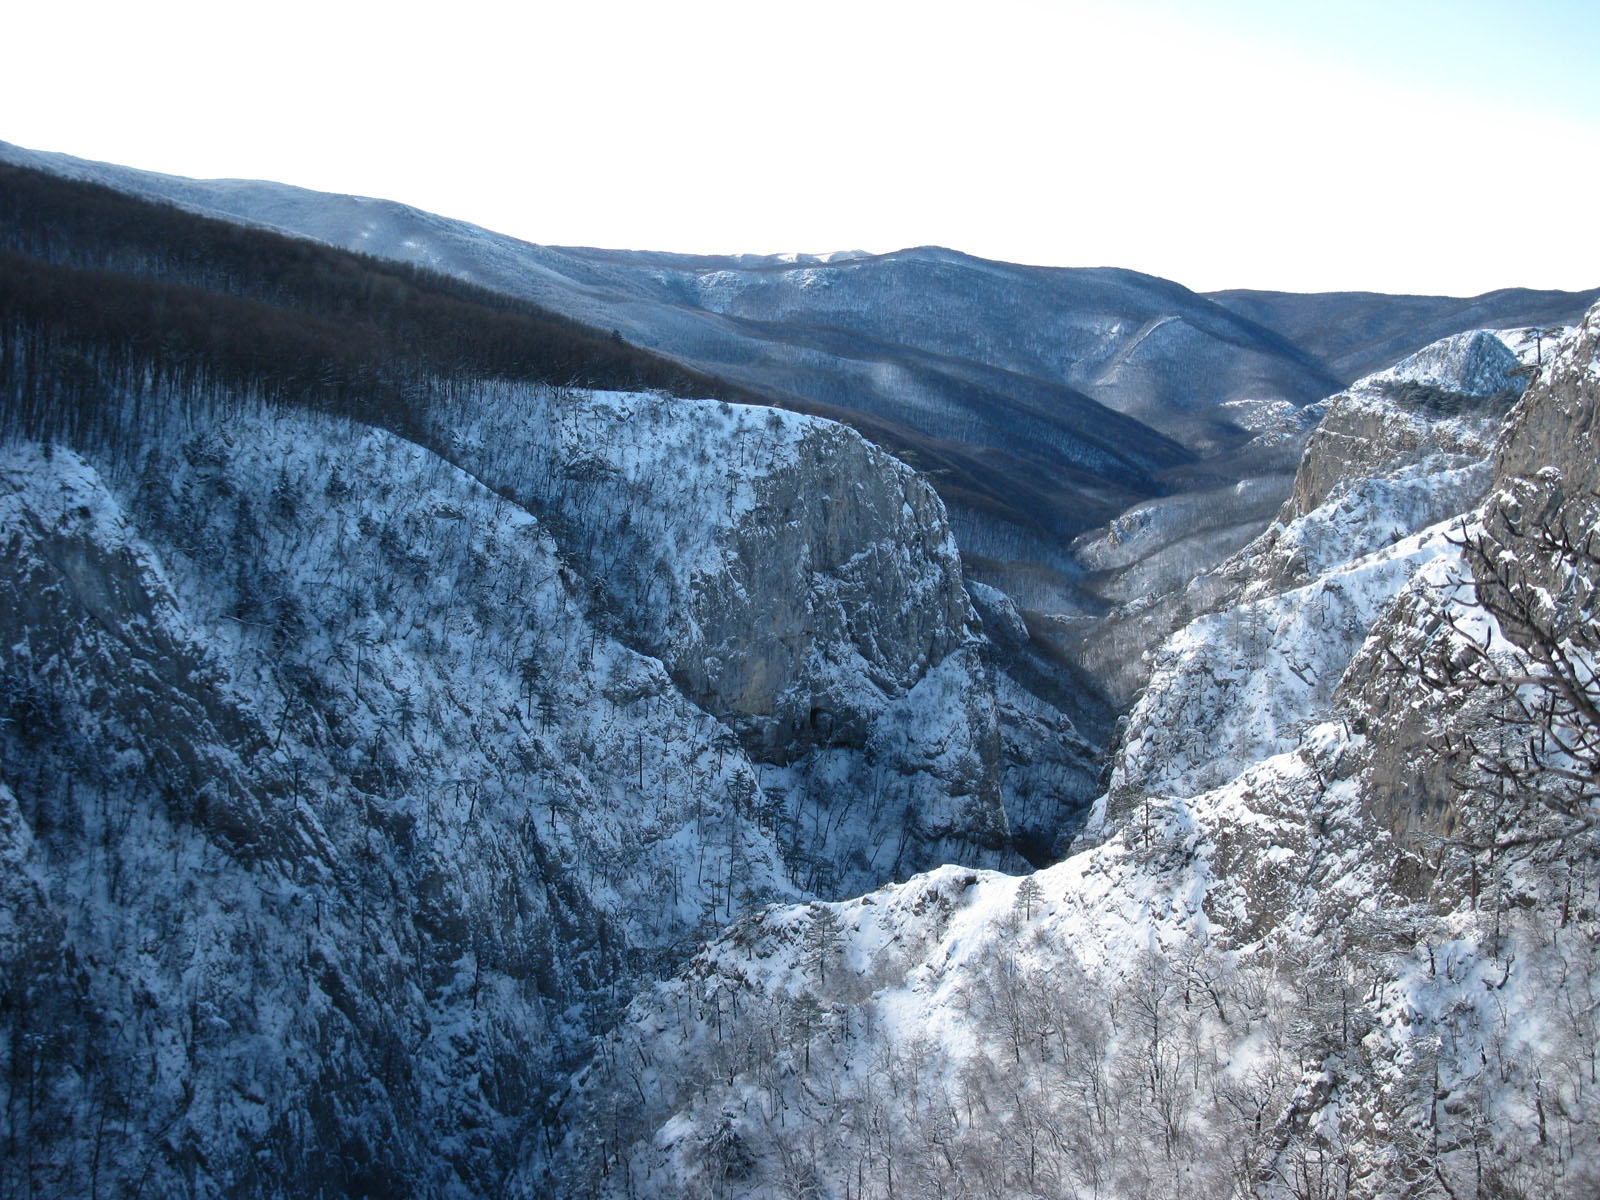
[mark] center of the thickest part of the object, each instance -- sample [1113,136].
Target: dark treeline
[106,299]
[1429,401]
[100,292]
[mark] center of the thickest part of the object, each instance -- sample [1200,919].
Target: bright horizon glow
[1451,148]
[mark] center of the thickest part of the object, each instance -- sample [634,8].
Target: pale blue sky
[1540,52]
[1408,146]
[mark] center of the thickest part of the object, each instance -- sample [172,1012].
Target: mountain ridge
[930,356]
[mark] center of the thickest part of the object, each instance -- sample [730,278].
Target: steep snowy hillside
[1349,946]
[1398,451]
[328,764]
[373,726]
[798,584]
[312,876]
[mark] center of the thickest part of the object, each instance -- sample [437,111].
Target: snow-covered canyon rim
[447,750]
[1309,954]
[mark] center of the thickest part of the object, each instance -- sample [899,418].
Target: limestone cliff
[349,787]
[799,584]
[1310,958]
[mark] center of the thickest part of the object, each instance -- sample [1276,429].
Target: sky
[1401,146]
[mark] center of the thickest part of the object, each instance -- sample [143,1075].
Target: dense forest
[105,294]
[105,297]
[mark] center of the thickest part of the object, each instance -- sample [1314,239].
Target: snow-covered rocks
[1476,363]
[1381,482]
[1445,400]
[399,765]
[1269,976]
[1240,684]
[799,584]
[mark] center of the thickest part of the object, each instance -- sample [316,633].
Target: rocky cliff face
[1384,467]
[1535,531]
[793,577]
[1441,400]
[1272,977]
[348,789]
[798,584]
[1561,430]
[1396,452]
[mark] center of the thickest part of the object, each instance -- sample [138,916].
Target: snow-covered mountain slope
[798,583]
[1238,685]
[793,576]
[1382,478]
[282,798]
[1394,453]
[1229,998]
[1532,549]
[1324,960]
[350,786]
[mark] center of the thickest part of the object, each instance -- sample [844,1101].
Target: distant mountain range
[1042,402]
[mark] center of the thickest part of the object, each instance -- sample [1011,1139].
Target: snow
[1250,900]
[1477,363]
[360,711]
[1234,687]
[363,783]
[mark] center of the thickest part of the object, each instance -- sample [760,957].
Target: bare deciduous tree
[1536,576]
